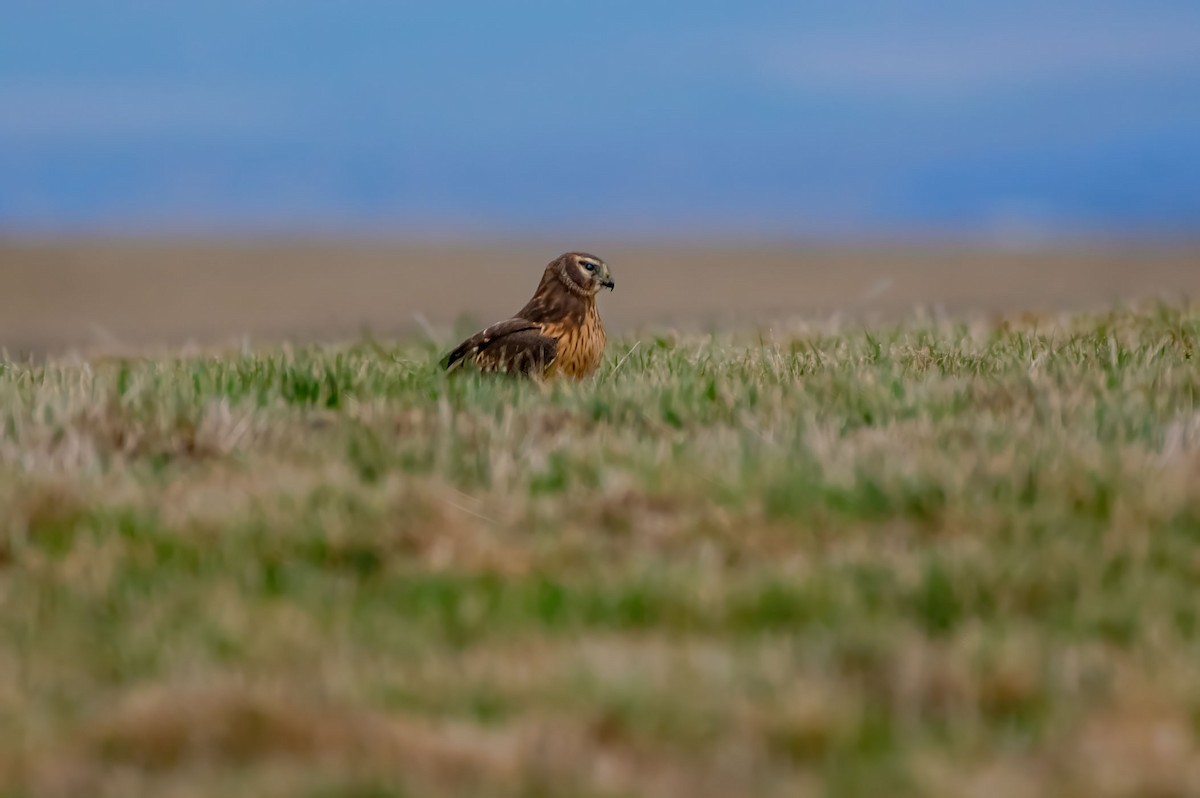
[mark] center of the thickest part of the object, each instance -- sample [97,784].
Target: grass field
[928,559]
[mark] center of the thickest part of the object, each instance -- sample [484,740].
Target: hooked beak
[608,283]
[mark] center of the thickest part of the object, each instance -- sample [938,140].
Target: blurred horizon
[1016,123]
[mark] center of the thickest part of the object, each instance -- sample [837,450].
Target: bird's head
[583,273]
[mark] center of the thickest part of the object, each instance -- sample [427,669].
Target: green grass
[921,560]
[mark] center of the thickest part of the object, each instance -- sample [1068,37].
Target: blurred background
[285,168]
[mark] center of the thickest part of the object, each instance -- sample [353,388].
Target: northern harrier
[557,332]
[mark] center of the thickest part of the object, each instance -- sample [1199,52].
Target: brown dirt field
[105,295]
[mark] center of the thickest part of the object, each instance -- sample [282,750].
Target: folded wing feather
[513,346]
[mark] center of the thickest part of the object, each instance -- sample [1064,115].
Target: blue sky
[779,118]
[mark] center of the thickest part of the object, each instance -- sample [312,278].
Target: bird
[558,332]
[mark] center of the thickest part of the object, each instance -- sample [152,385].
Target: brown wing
[516,346]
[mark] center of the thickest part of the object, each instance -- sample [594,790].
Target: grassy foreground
[926,560]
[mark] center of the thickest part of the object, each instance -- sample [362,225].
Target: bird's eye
[591,267]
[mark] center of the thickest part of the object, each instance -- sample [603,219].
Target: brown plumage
[557,332]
